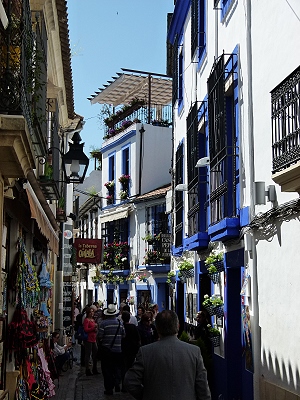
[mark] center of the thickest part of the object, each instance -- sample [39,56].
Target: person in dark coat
[168,368]
[130,343]
[201,331]
[145,330]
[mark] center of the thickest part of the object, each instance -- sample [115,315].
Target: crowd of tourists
[120,340]
[95,330]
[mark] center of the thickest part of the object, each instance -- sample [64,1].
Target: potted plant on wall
[60,210]
[131,277]
[215,259]
[214,305]
[171,279]
[187,269]
[214,335]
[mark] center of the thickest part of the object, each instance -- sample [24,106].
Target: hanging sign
[88,250]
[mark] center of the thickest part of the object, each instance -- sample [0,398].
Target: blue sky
[105,36]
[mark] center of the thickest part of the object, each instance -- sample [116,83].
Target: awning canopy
[136,84]
[41,218]
[119,213]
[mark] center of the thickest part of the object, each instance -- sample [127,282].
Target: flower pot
[144,279]
[219,311]
[187,273]
[215,277]
[210,309]
[215,340]
[219,265]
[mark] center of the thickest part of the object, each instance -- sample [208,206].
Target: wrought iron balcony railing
[156,114]
[285,100]
[23,70]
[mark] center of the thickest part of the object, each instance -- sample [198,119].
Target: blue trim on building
[225,6]
[198,241]
[245,216]
[158,267]
[179,16]
[176,251]
[202,32]
[117,142]
[225,229]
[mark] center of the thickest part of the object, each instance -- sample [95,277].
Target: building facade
[37,121]
[236,185]
[135,164]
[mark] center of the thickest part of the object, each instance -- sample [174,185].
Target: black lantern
[75,162]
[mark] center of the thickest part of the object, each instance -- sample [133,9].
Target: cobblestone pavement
[75,385]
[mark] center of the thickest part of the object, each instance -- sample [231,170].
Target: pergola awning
[135,84]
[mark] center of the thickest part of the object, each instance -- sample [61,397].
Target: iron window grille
[222,137]
[197,178]
[285,103]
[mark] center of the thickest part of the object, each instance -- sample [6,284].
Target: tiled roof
[160,192]
[66,54]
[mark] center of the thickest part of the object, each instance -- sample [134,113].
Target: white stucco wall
[266,35]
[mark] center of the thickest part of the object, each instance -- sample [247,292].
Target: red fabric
[89,325]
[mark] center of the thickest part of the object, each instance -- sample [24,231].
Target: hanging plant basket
[215,340]
[215,277]
[188,273]
[219,265]
[219,311]
[210,309]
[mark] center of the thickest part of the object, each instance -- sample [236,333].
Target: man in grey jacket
[168,369]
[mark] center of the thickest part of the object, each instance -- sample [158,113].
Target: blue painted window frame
[228,226]
[180,78]
[126,160]
[225,5]
[198,26]
[202,31]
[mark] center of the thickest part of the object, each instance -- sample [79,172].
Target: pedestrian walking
[168,368]
[90,327]
[111,332]
[130,344]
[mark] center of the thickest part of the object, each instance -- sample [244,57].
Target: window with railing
[179,197]
[157,235]
[198,26]
[222,138]
[197,177]
[285,102]
[115,240]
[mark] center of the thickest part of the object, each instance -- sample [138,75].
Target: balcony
[136,97]
[285,100]
[138,112]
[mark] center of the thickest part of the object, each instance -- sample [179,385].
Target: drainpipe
[253,261]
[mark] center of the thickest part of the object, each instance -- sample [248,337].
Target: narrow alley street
[75,385]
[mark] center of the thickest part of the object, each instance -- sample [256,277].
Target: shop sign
[88,250]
